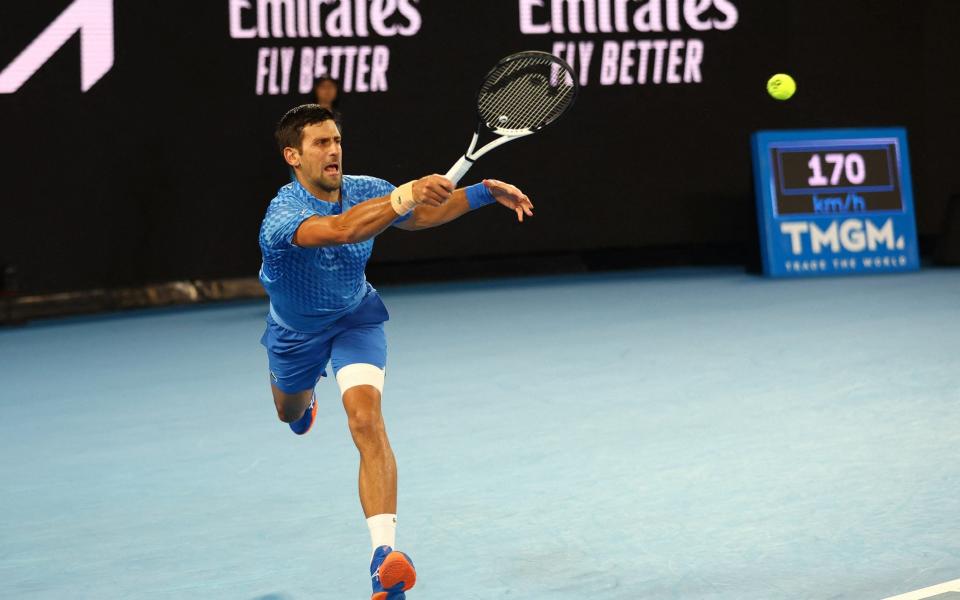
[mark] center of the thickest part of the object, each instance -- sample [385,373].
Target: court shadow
[274,597]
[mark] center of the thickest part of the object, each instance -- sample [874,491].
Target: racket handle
[458,170]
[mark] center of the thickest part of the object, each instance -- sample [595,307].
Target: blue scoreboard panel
[834,202]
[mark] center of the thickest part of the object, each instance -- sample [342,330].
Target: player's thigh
[296,361]
[359,356]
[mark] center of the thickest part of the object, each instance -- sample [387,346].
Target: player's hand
[511,197]
[432,190]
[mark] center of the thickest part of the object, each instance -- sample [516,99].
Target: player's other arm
[367,219]
[464,200]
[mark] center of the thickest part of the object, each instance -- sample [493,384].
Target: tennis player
[316,238]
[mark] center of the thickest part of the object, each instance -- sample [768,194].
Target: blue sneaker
[304,423]
[392,574]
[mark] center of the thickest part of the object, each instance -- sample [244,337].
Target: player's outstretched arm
[367,219]
[464,200]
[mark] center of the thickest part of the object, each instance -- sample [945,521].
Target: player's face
[321,156]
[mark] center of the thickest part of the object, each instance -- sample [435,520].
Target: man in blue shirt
[316,239]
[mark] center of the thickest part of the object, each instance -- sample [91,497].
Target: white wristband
[401,199]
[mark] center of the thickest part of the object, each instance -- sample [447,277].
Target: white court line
[950,586]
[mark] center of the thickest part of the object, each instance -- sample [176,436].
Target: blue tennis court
[664,434]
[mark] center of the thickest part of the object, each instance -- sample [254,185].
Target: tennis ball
[781,86]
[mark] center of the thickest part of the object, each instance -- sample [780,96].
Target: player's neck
[319,193]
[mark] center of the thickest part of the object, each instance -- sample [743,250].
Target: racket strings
[522,92]
[534,103]
[525,93]
[527,99]
[544,112]
[524,108]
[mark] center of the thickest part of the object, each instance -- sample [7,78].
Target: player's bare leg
[297,409]
[392,572]
[290,407]
[378,467]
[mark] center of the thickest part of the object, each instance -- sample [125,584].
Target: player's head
[309,139]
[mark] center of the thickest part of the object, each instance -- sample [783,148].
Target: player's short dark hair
[290,128]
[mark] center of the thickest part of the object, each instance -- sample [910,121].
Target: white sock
[383,530]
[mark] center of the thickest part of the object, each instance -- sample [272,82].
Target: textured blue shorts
[299,360]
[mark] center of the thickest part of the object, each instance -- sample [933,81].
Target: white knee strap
[360,374]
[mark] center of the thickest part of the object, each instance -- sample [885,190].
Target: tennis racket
[521,95]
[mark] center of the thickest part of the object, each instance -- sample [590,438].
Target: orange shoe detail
[379,596]
[396,568]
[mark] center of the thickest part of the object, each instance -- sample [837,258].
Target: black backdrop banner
[137,137]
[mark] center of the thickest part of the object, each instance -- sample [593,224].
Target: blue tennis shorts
[299,360]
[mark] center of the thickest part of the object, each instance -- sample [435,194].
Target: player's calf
[298,410]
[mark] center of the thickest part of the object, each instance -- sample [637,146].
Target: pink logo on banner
[94,20]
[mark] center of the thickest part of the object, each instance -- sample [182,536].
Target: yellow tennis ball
[781,86]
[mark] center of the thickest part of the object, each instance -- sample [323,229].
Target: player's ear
[292,156]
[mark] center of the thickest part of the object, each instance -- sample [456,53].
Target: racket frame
[460,168]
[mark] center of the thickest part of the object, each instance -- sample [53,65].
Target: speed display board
[833,202]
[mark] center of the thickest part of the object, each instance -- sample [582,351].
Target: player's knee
[365,423]
[291,407]
[287,414]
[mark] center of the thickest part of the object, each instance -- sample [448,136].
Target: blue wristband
[478,195]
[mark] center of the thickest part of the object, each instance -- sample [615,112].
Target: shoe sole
[397,568]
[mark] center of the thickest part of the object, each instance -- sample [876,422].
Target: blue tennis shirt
[310,288]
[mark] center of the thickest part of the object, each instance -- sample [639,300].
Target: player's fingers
[519,214]
[437,193]
[443,187]
[430,195]
[444,183]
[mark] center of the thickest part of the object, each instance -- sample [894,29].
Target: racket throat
[473,146]
[459,169]
[466,161]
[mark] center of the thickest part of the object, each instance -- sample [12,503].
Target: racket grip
[458,170]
